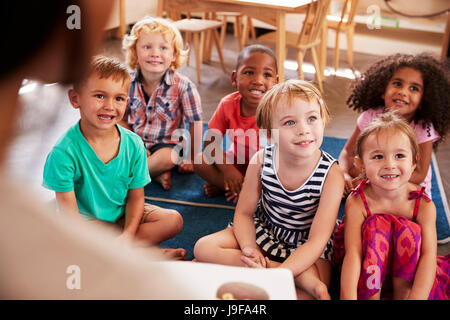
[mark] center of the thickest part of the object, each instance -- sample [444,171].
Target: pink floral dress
[391,245]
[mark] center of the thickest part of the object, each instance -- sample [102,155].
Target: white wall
[414,35]
[134,10]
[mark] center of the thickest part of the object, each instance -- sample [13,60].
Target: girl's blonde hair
[289,89]
[155,25]
[388,121]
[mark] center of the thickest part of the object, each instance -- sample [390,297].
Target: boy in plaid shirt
[160,97]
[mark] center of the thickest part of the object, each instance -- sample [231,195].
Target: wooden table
[270,11]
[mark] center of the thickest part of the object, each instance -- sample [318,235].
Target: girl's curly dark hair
[367,90]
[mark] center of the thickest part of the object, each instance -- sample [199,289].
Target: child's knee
[168,163]
[202,248]
[174,220]
[165,158]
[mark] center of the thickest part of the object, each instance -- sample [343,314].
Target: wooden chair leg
[350,32]
[189,41]
[336,52]
[223,30]
[246,29]
[219,49]
[317,67]
[203,45]
[238,31]
[300,56]
[252,29]
[235,27]
[208,45]
[198,60]
[245,26]
[323,50]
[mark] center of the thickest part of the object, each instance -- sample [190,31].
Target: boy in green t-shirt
[98,169]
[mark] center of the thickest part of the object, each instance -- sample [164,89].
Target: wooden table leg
[445,40]
[281,43]
[159,8]
[122,29]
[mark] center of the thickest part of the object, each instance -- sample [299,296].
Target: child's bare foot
[175,254]
[165,180]
[211,190]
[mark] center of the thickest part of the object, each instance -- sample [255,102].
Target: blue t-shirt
[100,189]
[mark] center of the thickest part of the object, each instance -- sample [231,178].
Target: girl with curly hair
[415,86]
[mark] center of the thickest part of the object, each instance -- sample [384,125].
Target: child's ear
[415,161]
[233,79]
[74,98]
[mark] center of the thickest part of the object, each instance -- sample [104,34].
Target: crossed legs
[222,248]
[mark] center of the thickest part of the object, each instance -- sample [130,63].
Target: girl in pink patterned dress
[390,223]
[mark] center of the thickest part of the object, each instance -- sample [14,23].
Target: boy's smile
[255,75]
[154,53]
[102,102]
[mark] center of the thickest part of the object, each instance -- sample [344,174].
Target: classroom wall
[134,9]
[414,7]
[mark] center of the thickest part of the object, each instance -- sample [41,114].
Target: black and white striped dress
[283,218]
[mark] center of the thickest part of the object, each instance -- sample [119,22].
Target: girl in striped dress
[288,206]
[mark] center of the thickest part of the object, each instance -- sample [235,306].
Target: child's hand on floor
[233,180]
[232,196]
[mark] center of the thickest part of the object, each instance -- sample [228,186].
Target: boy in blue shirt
[98,169]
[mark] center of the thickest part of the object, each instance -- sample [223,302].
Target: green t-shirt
[100,189]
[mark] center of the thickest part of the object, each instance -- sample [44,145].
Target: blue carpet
[204,215]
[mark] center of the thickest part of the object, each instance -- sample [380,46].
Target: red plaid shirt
[175,98]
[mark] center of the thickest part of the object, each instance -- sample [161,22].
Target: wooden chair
[248,29]
[345,22]
[193,28]
[237,16]
[239,20]
[308,38]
